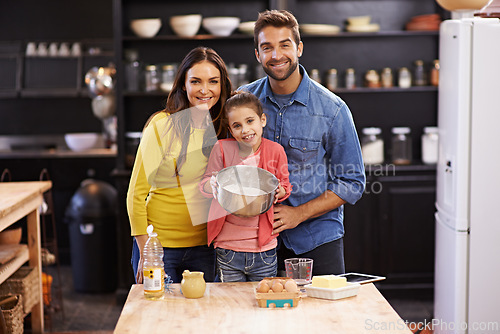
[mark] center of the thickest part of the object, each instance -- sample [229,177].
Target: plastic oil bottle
[154,273]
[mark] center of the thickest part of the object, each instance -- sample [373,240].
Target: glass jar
[372,79]
[132,76]
[152,78]
[401,146]
[350,79]
[372,146]
[315,75]
[167,77]
[243,74]
[386,78]
[434,75]
[404,78]
[430,147]
[332,81]
[132,140]
[419,77]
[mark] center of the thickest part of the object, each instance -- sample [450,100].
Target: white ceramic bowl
[221,25]
[246,27]
[185,25]
[146,27]
[359,20]
[81,141]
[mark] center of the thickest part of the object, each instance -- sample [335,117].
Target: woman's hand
[141,241]
[140,271]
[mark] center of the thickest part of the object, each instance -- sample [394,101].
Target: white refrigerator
[467,266]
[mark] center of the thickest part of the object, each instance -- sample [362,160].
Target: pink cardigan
[272,159]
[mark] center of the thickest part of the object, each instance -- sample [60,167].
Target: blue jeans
[328,258]
[176,260]
[244,266]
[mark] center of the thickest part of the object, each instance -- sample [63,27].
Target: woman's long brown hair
[177,101]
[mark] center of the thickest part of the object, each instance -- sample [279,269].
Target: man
[317,131]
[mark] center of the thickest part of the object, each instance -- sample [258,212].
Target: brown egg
[263,287]
[291,286]
[277,286]
[267,281]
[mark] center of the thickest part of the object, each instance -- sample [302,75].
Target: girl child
[245,247]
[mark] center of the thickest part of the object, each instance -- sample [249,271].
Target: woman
[170,163]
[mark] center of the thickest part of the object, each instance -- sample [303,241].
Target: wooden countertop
[232,308]
[59,154]
[18,200]
[15,195]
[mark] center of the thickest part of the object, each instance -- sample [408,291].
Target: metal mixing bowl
[246,191]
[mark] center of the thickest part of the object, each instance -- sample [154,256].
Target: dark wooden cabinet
[390,231]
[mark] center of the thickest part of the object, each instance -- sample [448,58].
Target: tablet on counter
[361,278]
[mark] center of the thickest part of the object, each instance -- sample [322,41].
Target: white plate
[373,27]
[319,29]
[347,291]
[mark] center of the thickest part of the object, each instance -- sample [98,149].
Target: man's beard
[292,68]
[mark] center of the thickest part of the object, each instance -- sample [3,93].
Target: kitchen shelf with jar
[180,38]
[393,33]
[413,89]
[52,76]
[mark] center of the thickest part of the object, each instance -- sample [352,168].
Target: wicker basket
[23,282]
[13,314]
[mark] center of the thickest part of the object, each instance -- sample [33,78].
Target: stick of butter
[329,281]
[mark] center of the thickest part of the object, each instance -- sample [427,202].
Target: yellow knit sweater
[173,205]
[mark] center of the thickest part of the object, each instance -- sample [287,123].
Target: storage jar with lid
[372,79]
[315,75]
[332,79]
[401,146]
[419,77]
[404,78]
[430,148]
[132,70]
[152,78]
[132,140]
[372,146]
[434,74]
[350,79]
[386,77]
[167,77]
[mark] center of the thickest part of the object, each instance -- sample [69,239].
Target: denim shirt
[318,133]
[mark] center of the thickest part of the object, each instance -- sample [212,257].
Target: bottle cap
[403,130]
[430,129]
[150,231]
[372,131]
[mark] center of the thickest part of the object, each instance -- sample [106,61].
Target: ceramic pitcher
[193,284]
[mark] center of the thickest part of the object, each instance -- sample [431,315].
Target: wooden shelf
[387,90]
[237,36]
[7,269]
[396,33]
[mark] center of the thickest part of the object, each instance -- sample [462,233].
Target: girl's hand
[279,194]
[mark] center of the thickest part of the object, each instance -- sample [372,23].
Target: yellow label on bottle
[153,279]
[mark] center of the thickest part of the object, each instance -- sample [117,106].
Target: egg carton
[277,299]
